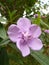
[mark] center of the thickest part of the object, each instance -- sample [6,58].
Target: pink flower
[46,31]
[25,35]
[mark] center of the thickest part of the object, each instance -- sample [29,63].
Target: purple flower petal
[46,31]
[35,44]
[13,32]
[24,24]
[22,46]
[35,31]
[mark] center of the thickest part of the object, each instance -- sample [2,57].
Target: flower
[25,35]
[46,31]
[35,15]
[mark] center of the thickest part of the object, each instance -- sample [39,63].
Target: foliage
[12,10]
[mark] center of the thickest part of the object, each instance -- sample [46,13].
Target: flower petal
[46,31]
[35,44]
[23,48]
[13,32]
[24,24]
[35,30]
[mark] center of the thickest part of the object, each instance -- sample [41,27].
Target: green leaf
[11,14]
[43,23]
[41,58]
[4,42]
[4,60]
[2,32]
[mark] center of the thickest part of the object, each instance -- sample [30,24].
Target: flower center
[26,36]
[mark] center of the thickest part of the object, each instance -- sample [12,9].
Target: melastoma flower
[25,35]
[46,31]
